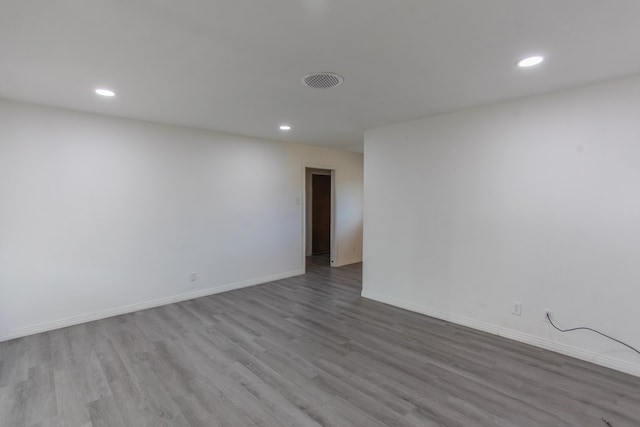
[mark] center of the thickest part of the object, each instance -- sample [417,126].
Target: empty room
[319,213]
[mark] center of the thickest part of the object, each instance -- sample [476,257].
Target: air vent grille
[322,80]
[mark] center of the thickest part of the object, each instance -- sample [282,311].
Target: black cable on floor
[592,330]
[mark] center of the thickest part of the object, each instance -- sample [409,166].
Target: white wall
[100,216]
[536,201]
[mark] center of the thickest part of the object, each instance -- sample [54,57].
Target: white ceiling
[235,65]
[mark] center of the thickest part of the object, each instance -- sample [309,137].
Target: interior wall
[101,215]
[534,201]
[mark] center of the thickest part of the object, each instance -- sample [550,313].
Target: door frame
[333,246]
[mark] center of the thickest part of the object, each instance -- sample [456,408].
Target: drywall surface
[534,201]
[100,216]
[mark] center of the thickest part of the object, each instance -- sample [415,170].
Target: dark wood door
[321,213]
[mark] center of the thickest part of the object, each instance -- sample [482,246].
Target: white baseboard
[578,353]
[116,311]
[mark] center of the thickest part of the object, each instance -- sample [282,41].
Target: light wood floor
[304,351]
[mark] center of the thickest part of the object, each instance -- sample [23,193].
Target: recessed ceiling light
[285,127]
[530,61]
[105,92]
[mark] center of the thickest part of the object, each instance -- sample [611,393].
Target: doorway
[320,214]
[319,199]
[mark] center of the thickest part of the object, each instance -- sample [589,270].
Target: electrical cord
[592,330]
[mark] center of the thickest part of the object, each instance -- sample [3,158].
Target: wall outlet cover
[517,308]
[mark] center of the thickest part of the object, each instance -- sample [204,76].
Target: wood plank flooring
[304,351]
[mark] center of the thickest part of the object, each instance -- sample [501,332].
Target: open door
[319,233]
[320,214]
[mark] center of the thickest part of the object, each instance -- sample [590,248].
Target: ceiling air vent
[322,80]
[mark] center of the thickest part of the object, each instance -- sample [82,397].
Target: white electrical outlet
[193,276]
[549,312]
[517,308]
